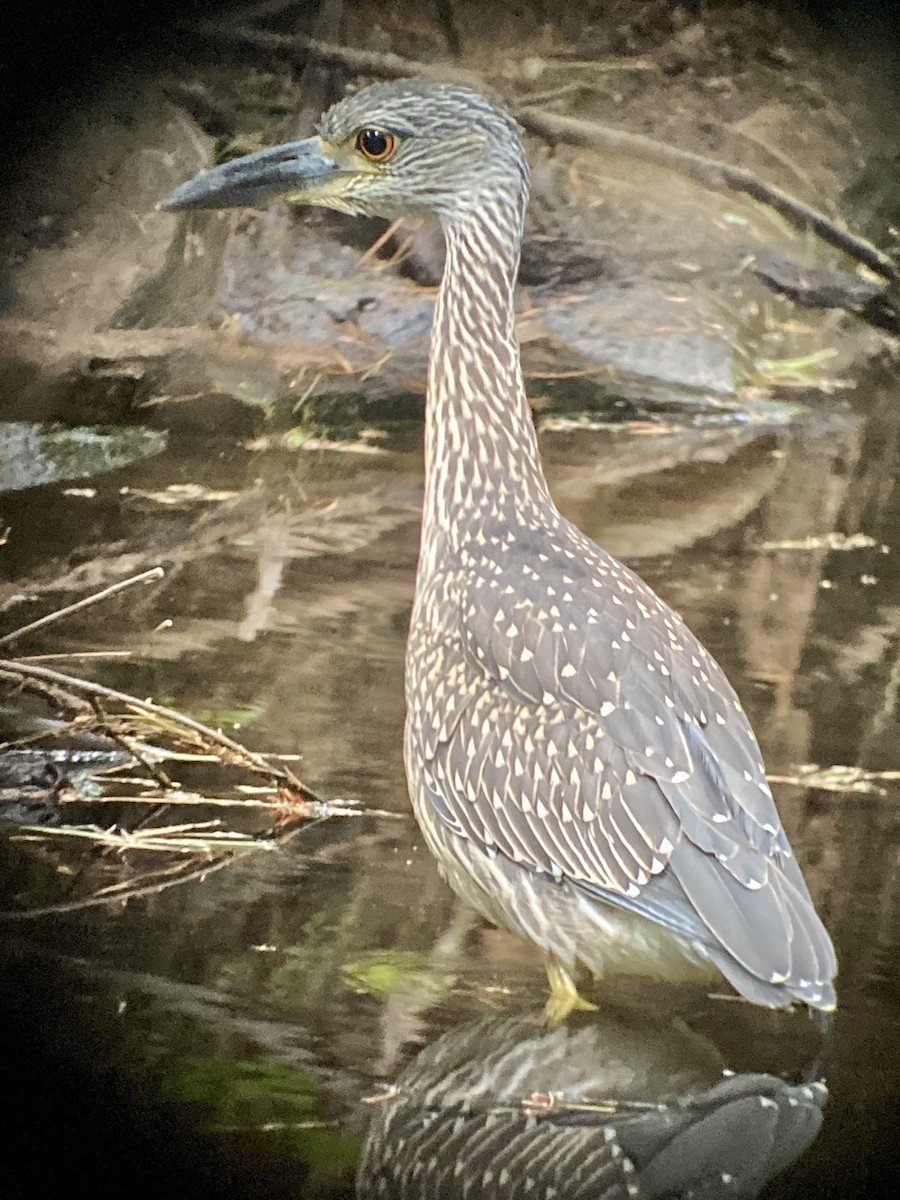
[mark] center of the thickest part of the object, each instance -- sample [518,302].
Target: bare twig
[17,671]
[709,172]
[174,877]
[150,576]
[712,174]
[130,746]
[68,702]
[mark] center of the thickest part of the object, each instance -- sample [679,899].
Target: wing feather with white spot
[582,632]
[614,747]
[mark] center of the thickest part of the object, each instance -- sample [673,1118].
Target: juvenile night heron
[578,762]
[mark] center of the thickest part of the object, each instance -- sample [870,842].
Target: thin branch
[11,669]
[711,173]
[296,48]
[153,889]
[68,702]
[150,576]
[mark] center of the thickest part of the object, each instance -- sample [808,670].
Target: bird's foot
[564,997]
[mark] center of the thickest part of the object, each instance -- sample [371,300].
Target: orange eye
[375,144]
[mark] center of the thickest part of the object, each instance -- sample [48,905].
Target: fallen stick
[710,173]
[58,614]
[11,669]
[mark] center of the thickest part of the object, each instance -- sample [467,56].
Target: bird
[578,763]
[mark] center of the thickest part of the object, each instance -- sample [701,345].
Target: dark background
[51,53]
[71,1121]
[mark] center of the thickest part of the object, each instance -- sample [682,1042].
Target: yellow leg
[564,997]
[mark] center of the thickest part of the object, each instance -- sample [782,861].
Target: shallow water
[242,1019]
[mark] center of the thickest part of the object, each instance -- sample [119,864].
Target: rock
[31,455]
[92,196]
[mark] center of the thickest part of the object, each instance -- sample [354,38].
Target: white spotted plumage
[576,759]
[559,713]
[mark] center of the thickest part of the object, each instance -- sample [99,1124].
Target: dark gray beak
[280,172]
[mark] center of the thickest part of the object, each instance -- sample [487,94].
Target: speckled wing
[608,748]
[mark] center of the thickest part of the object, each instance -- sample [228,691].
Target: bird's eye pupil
[375,144]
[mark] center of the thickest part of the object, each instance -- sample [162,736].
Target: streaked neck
[482,465]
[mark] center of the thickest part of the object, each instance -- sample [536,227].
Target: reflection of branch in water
[272,543]
[403,1018]
[604,1109]
[161,881]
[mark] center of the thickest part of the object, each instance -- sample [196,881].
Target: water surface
[233,1027]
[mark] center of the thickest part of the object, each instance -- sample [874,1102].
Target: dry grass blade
[15,670]
[838,779]
[135,736]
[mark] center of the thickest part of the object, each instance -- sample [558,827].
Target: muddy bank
[636,279]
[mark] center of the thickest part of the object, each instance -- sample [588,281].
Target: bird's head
[391,149]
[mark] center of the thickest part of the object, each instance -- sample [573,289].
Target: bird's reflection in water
[600,1109]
